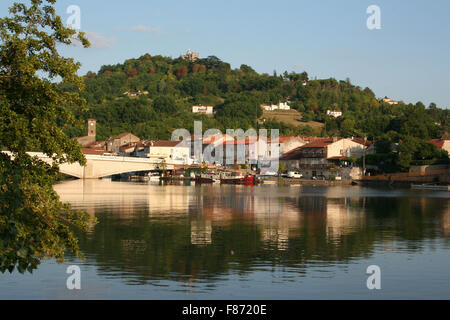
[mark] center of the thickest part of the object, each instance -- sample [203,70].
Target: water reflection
[202,233]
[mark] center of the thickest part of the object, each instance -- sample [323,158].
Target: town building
[442,143]
[91,134]
[389,100]
[114,144]
[191,56]
[334,113]
[325,158]
[274,107]
[135,94]
[201,109]
[175,152]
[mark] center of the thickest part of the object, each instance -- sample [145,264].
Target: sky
[406,59]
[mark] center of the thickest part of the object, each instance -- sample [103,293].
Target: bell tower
[92,128]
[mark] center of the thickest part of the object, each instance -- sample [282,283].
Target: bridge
[103,166]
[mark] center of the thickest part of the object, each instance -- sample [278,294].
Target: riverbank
[288,181]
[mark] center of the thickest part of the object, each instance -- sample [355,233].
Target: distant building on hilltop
[334,113]
[389,100]
[191,56]
[273,107]
[201,109]
[135,94]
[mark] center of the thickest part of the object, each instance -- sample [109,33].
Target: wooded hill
[173,86]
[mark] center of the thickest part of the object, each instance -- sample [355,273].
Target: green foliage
[34,224]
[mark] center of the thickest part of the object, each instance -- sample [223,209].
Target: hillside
[290,118]
[168,88]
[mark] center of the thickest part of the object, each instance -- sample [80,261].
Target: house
[321,157]
[201,109]
[389,100]
[334,113]
[91,134]
[286,144]
[135,94]
[175,152]
[442,143]
[274,107]
[204,141]
[114,144]
[191,56]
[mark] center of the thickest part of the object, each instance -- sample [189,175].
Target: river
[243,242]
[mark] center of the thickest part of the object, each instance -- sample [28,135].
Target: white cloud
[147,30]
[97,40]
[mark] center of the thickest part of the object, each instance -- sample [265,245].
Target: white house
[389,100]
[200,109]
[168,151]
[334,113]
[273,107]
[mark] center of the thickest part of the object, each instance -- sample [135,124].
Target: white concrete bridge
[104,166]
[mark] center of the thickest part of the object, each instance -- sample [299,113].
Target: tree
[34,224]
[165,104]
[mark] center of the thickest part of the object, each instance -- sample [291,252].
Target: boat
[247,180]
[206,178]
[430,187]
[154,177]
[139,178]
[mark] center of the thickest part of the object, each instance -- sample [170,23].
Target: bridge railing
[109,158]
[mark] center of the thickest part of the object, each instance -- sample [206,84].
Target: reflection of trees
[223,231]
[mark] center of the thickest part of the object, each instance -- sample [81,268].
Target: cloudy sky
[407,59]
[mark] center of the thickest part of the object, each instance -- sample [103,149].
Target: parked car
[294,175]
[268,173]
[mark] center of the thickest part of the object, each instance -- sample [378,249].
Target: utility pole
[364,157]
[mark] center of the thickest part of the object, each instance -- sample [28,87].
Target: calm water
[237,242]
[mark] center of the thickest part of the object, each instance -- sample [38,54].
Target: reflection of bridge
[104,166]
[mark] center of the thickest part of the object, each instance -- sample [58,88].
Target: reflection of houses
[445,224]
[201,231]
[320,156]
[341,220]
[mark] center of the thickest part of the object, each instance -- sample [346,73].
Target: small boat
[207,178]
[139,178]
[246,180]
[154,177]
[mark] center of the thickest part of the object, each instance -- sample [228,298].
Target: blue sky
[407,59]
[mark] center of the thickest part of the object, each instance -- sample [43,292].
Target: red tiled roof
[122,135]
[438,143]
[93,151]
[164,143]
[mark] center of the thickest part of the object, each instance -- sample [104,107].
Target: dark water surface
[238,242]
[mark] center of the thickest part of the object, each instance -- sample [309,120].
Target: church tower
[92,129]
